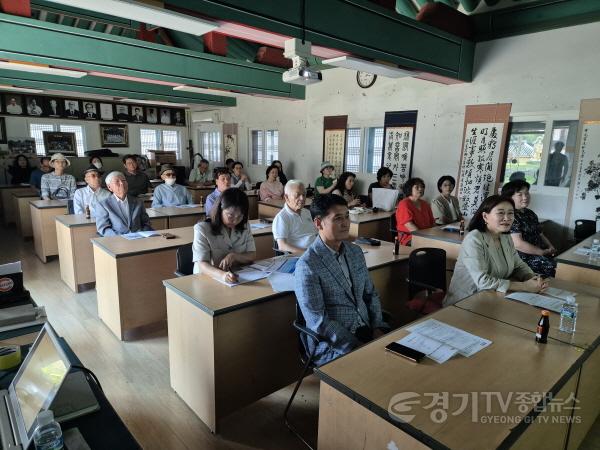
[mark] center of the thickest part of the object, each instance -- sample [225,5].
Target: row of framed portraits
[70,108]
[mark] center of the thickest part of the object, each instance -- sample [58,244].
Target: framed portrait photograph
[35,106]
[122,113]
[2,131]
[151,114]
[137,114]
[178,117]
[72,109]
[106,111]
[60,142]
[114,135]
[89,111]
[23,145]
[165,116]
[13,104]
[54,107]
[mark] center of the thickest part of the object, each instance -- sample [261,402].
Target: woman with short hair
[413,213]
[271,188]
[534,248]
[225,241]
[487,259]
[445,207]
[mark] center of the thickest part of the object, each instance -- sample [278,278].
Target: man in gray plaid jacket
[333,288]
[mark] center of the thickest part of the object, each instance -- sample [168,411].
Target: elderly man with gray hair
[120,213]
[293,227]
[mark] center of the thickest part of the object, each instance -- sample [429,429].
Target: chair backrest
[257,185]
[426,266]
[302,343]
[583,229]
[276,248]
[185,265]
[393,226]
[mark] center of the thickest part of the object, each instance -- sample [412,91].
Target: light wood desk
[76,255]
[230,346]
[7,204]
[493,305]
[180,217]
[372,225]
[437,238]
[268,210]
[23,212]
[573,267]
[358,389]
[43,213]
[129,274]
[200,193]
[252,205]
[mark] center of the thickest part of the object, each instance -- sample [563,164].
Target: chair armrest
[423,285]
[308,332]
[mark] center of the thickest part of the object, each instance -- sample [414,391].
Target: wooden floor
[135,375]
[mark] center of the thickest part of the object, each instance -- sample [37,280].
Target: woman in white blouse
[445,207]
[488,259]
[225,241]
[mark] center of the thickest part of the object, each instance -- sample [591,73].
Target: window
[264,146]
[561,157]
[373,148]
[524,154]
[156,139]
[353,147]
[210,145]
[36,131]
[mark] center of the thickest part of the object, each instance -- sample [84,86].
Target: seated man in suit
[333,288]
[120,213]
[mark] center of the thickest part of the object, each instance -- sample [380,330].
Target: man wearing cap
[138,182]
[325,184]
[120,213]
[89,195]
[58,185]
[169,193]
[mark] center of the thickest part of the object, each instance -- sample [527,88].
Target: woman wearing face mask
[413,213]
[225,241]
[488,259]
[96,161]
[445,207]
[534,248]
[343,188]
[169,193]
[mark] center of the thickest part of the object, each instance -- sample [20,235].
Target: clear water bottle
[568,315]
[595,251]
[47,435]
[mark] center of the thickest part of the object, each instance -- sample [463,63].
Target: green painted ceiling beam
[533,17]
[355,26]
[31,40]
[110,87]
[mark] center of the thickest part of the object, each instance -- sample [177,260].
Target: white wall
[548,71]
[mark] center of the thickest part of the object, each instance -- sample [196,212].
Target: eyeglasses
[233,215]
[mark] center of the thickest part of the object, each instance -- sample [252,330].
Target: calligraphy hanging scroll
[481,157]
[587,179]
[398,144]
[334,141]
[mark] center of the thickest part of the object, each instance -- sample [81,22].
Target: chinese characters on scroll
[397,152]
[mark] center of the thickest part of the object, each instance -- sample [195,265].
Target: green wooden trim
[534,17]
[356,26]
[48,43]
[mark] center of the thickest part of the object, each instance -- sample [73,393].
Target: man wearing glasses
[169,193]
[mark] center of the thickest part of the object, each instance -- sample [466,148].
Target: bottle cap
[570,299]
[545,312]
[45,417]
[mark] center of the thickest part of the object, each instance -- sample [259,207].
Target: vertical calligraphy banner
[587,178]
[399,144]
[483,154]
[334,141]
[481,158]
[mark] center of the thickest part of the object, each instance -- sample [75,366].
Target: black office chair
[185,265]
[306,358]
[426,280]
[394,227]
[584,229]
[276,248]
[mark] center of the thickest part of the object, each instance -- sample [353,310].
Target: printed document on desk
[258,226]
[466,343]
[246,276]
[435,350]
[140,235]
[281,264]
[537,300]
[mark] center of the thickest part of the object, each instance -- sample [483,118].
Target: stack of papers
[140,235]
[440,341]
[257,226]
[539,301]
[246,276]
[281,264]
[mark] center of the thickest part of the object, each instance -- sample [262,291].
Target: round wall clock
[365,79]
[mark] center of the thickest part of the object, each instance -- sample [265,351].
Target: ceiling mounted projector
[300,73]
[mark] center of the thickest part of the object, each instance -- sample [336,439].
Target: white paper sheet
[258,226]
[283,264]
[246,276]
[140,235]
[188,206]
[434,350]
[385,199]
[583,251]
[466,343]
[559,293]
[281,282]
[7,269]
[537,300]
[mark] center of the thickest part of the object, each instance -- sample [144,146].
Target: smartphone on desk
[405,352]
[168,236]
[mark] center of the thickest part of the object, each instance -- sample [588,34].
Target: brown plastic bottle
[543,326]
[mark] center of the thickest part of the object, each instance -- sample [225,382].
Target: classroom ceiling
[127,59]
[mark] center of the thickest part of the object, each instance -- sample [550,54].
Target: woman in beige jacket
[445,207]
[488,259]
